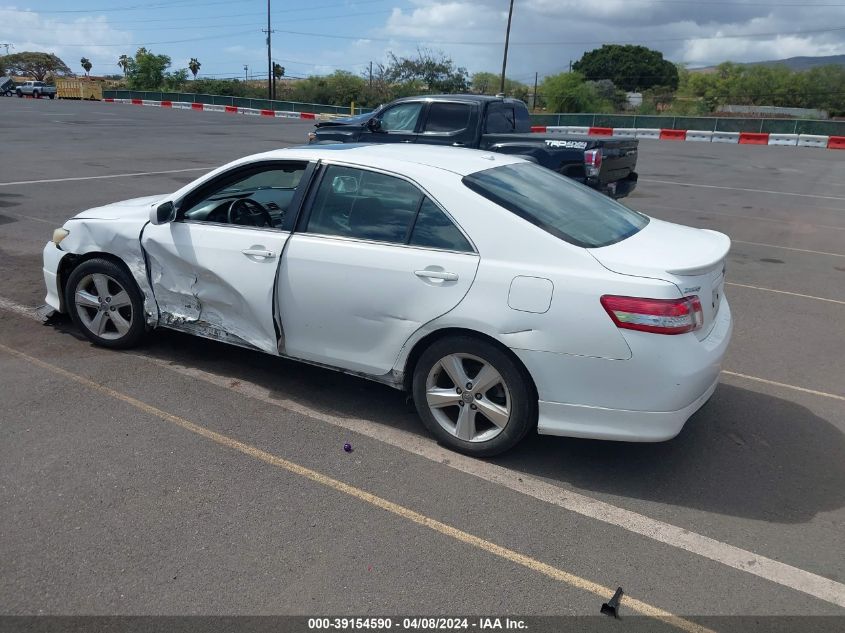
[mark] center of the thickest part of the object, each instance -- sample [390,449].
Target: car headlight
[59,235]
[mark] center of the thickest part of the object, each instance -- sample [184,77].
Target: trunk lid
[691,259]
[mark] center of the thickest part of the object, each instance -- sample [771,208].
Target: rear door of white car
[215,278]
[372,260]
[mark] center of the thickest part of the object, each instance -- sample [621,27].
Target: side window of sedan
[258,197]
[372,206]
[364,204]
[401,118]
[434,229]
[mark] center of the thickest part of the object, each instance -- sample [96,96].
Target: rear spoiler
[720,251]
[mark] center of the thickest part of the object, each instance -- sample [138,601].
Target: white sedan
[502,295]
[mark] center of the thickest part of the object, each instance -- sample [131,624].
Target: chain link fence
[712,124]
[243,102]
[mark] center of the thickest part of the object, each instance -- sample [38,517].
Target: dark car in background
[490,123]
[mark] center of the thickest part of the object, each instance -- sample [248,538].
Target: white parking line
[776,193]
[789,248]
[784,385]
[666,533]
[784,292]
[757,218]
[29,217]
[129,175]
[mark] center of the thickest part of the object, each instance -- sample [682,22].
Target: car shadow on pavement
[745,454]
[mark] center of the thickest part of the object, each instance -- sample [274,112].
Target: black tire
[131,309]
[51,96]
[20,94]
[522,402]
[36,94]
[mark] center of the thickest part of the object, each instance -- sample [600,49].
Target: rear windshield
[560,206]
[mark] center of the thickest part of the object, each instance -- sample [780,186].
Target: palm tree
[86,64]
[194,65]
[123,62]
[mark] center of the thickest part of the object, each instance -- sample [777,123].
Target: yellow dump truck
[79,89]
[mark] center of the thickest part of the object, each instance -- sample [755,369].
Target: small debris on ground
[611,607]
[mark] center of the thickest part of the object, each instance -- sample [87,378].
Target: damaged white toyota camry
[504,296]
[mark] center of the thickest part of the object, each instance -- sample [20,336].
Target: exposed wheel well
[71,261]
[426,341]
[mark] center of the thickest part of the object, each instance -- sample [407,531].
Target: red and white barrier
[725,137]
[648,132]
[812,140]
[673,135]
[783,139]
[664,134]
[700,136]
[624,132]
[214,107]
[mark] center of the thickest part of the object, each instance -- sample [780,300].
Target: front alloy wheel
[105,303]
[473,396]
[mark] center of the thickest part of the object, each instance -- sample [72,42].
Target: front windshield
[557,204]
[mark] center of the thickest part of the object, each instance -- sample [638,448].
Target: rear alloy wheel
[473,396]
[105,303]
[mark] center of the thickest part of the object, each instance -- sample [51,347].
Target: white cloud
[70,39]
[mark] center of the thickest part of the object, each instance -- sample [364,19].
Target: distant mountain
[793,63]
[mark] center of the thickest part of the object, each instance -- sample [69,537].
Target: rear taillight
[592,162]
[660,316]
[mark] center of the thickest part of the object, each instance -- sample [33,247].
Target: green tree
[194,66]
[568,92]
[36,65]
[123,62]
[148,71]
[431,69]
[86,65]
[487,83]
[629,67]
[278,71]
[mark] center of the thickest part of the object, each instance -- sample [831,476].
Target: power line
[182,4]
[567,42]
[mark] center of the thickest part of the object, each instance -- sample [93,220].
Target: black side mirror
[163,213]
[374,125]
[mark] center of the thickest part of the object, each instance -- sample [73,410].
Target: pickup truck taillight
[592,162]
[659,316]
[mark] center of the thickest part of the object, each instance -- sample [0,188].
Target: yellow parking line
[379,502]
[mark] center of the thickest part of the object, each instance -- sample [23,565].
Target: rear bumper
[572,420]
[647,398]
[616,189]
[52,257]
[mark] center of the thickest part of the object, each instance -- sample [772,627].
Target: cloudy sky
[319,36]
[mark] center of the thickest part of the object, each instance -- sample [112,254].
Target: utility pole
[246,72]
[371,75]
[507,41]
[570,65]
[534,100]
[270,86]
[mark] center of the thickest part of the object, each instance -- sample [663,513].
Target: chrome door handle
[254,252]
[436,274]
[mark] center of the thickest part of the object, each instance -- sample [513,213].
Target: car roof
[458,97]
[458,160]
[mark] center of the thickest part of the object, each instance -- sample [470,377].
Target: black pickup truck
[495,124]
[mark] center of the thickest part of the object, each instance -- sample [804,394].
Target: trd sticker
[567,144]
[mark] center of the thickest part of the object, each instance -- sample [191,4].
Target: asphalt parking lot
[188,477]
